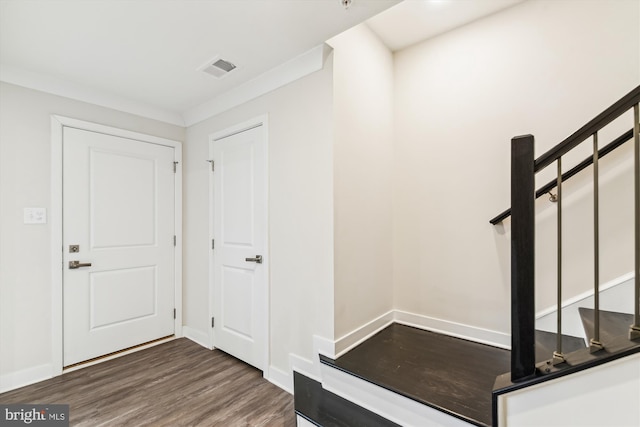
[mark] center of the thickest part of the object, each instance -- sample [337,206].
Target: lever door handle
[257,259]
[77,264]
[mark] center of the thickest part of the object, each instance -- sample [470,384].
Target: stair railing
[523,195]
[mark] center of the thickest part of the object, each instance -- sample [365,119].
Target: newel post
[522,258]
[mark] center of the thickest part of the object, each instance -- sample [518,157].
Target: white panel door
[239,218]
[118,208]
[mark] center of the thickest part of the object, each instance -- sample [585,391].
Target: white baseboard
[25,377]
[334,349]
[588,294]
[280,378]
[615,295]
[458,330]
[196,336]
[304,366]
[363,333]
[44,372]
[323,346]
[311,368]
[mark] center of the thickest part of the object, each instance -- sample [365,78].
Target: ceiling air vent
[217,67]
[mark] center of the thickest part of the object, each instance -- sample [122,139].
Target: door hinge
[175,167]
[213,244]
[174,313]
[175,240]
[213,322]
[212,165]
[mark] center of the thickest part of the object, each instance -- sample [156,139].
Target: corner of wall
[25,377]
[197,336]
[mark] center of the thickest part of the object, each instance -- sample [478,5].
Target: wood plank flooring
[446,373]
[178,383]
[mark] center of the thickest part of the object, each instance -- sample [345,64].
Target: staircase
[412,377]
[416,377]
[401,368]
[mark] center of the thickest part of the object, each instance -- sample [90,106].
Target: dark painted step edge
[304,406]
[577,361]
[331,362]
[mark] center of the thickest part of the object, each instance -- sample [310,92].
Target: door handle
[257,259]
[77,264]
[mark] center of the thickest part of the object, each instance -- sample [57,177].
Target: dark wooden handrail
[573,171]
[523,194]
[600,121]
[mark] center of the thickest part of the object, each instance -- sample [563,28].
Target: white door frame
[260,121]
[57,125]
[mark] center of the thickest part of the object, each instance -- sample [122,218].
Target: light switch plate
[35,215]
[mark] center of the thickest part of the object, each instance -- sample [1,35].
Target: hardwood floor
[177,383]
[450,374]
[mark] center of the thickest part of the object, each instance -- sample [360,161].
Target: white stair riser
[387,404]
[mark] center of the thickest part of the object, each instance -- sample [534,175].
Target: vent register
[217,67]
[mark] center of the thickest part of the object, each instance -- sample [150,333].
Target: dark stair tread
[326,409]
[546,344]
[612,324]
[450,374]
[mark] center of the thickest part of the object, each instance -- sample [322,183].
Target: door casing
[57,125]
[262,122]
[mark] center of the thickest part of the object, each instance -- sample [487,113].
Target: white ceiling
[147,52]
[413,21]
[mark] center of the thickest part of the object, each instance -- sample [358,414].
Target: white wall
[541,67]
[362,180]
[25,261]
[300,214]
[606,395]
[414,157]
[614,296]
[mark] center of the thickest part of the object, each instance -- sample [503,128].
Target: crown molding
[67,89]
[290,71]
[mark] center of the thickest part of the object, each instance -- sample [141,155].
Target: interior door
[239,258]
[118,243]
